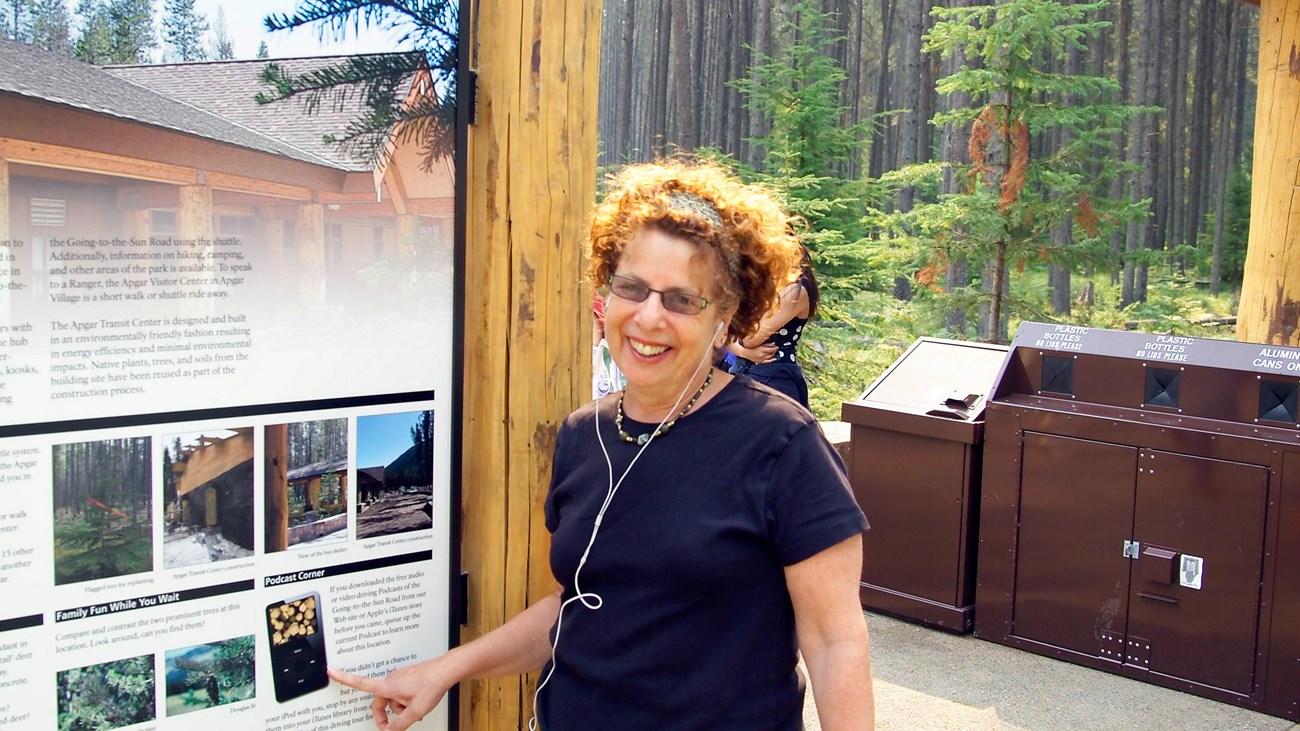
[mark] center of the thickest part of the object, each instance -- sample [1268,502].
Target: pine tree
[15,23]
[263,51]
[183,29]
[131,30]
[382,80]
[51,28]
[222,49]
[95,44]
[797,89]
[1006,214]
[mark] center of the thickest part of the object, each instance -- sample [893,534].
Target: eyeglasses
[683,303]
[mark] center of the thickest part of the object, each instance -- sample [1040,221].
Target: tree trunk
[1201,132]
[1177,138]
[683,106]
[1134,287]
[1223,148]
[659,88]
[876,165]
[625,85]
[909,118]
[1270,290]
[955,152]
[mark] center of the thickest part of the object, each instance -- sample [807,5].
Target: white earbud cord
[592,600]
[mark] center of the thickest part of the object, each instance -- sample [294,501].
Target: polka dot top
[786,338]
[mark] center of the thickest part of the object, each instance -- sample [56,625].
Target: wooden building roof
[49,77]
[229,88]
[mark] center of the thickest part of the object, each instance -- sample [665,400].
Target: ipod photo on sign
[297,638]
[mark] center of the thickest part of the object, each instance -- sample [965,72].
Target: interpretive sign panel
[226,381]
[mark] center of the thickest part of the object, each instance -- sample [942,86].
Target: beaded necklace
[640,440]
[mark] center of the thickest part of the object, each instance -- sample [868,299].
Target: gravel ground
[927,679]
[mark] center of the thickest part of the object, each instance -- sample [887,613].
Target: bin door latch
[1131,549]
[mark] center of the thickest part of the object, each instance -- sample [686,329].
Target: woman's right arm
[793,301]
[408,694]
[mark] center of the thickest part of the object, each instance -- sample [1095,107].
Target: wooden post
[311,254]
[407,225]
[1270,290]
[194,217]
[532,176]
[275,487]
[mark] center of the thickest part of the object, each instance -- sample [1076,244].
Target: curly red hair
[754,253]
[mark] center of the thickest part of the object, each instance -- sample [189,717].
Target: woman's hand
[404,697]
[765,353]
[409,693]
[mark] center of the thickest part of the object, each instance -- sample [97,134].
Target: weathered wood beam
[532,165]
[244,184]
[216,458]
[68,158]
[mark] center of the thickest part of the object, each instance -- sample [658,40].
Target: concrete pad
[927,679]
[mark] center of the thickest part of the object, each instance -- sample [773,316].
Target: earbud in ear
[719,328]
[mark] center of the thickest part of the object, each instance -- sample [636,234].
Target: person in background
[605,376]
[767,356]
[696,560]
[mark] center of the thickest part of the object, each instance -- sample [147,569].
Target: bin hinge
[1131,549]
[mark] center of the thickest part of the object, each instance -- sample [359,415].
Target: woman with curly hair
[703,531]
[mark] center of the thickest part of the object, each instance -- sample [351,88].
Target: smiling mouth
[646,349]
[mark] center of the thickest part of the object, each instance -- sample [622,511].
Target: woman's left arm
[832,633]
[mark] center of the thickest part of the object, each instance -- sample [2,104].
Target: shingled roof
[228,88]
[212,100]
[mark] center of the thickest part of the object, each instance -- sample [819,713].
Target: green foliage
[116,31]
[1236,224]
[797,89]
[1005,213]
[51,27]
[183,29]
[95,44]
[331,495]
[85,549]
[235,661]
[842,359]
[380,80]
[106,696]
[842,356]
[131,26]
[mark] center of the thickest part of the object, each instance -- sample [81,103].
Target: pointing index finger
[360,682]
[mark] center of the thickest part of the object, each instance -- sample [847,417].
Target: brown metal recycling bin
[1141,510]
[915,465]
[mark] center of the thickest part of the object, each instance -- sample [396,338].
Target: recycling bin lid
[938,388]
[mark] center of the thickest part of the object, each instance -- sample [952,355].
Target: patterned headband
[680,200]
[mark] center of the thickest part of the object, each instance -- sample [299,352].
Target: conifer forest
[963,166]
[103,509]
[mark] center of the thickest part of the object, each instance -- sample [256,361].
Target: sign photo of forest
[394,473]
[103,509]
[306,472]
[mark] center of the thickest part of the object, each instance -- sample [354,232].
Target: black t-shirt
[695,628]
